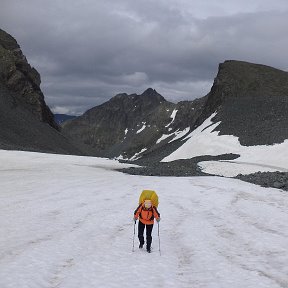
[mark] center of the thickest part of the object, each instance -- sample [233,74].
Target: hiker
[146,213]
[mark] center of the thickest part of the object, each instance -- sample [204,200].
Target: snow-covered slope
[66,222]
[205,141]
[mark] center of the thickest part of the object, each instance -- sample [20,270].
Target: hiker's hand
[158,219]
[135,219]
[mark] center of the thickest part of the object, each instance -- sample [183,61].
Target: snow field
[205,141]
[66,222]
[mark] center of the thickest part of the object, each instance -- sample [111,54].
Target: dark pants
[141,228]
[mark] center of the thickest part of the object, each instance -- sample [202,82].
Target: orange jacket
[146,215]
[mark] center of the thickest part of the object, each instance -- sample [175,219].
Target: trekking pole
[159,238]
[134,235]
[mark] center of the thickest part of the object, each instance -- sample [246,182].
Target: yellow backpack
[149,195]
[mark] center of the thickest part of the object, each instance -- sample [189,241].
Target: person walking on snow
[146,213]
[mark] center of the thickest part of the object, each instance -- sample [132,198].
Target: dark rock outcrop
[26,122]
[278,180]
[19,77]
[251,101]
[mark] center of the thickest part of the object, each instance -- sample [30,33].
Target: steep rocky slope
[26,122]
[251,101]
[19,77]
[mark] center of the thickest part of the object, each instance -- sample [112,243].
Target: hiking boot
[141,246]
[148,249]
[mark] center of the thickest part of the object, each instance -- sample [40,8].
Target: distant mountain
[60,118]
[250,101]
[26,122]
[129,126]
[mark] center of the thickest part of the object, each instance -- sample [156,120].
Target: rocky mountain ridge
[250,101]
[128,126]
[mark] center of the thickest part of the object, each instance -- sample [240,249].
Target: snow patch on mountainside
[177,135]
[173,115]
[137,155]
[163,137]
[142,128]
[205,141]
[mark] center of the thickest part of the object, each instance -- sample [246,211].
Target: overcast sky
[89,50]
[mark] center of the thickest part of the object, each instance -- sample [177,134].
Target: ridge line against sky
[88,51]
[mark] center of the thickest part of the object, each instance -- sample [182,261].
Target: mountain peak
[244,93]
[150,91]
[149,96]
[152,95]
[239,80]
[247,73]
[7,41]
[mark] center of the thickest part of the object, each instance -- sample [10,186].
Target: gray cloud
[88,51]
